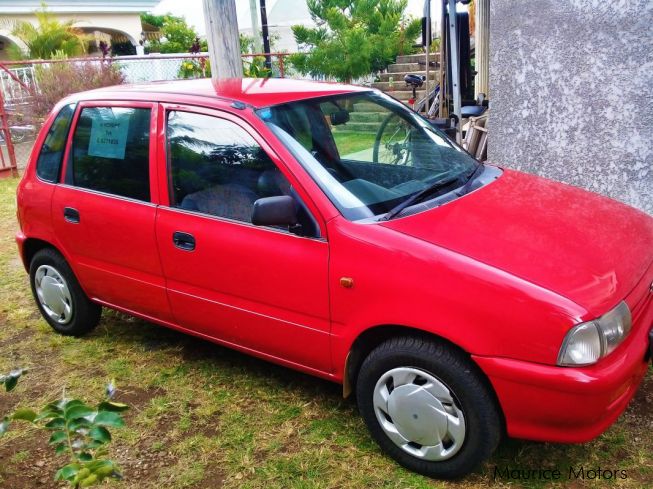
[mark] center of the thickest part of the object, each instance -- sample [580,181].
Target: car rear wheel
[60,298]
[428,407]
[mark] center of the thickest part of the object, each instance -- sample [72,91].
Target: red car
[330,229]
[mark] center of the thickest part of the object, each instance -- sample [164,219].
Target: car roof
[257,92]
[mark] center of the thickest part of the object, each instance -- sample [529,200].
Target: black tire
[471,393]
[85,314]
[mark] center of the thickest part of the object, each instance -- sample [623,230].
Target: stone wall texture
[571,84]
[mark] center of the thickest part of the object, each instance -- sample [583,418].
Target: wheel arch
[372,337]
[32,246]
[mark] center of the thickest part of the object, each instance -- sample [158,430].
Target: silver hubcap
[419,414]
[54,296]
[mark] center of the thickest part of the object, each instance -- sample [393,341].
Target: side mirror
[280,210]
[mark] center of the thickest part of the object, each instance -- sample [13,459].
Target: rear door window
[52,151]
[110,151]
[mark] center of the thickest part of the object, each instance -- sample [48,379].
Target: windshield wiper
[470,180]
[419,196]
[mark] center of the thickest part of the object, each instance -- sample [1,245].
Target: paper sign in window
[108,136]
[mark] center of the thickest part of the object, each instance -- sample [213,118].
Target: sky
[192,11]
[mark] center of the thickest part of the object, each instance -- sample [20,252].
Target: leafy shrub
[176,35]
[353,38]
[78,430]
[58,80]
[47,37]
[194,68]
[255,67]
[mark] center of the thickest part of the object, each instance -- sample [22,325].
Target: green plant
[154,20]
[48,37]
[78,430]
[254,67]
[194,68]
[176,35]
[246,43]
[353,37]
[10,380]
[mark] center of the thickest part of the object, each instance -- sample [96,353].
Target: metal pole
[455,64]
[482,49]
[427,8]
[256,27]
[223,39]
[266,36]
[443,110]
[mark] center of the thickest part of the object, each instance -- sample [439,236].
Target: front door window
[218,168]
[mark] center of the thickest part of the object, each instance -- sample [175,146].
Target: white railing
[13,90]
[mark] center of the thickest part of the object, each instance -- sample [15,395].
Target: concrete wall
[127,23]
[571,84]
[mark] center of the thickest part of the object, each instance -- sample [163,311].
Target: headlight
[587,342]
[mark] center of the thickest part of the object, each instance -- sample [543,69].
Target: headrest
[272,182]
[339,117]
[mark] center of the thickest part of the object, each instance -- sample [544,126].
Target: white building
[105,20]
[282,15]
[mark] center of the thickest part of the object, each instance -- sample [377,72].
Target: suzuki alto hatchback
[330,229]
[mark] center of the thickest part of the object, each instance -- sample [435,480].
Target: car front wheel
[428,406]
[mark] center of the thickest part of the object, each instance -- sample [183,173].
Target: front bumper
[571,405]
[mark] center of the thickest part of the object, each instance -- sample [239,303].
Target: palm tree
[49,37]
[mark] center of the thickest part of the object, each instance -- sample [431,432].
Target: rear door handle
[183,241]
[71,215]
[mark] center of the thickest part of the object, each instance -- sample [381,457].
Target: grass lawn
[206,417]
[352,142]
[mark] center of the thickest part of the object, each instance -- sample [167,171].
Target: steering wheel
[397,144]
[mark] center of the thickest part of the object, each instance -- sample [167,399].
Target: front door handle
[71,215]
[183,241]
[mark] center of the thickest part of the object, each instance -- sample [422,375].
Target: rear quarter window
[110,151]
[52,151]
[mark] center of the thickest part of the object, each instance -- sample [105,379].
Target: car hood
[585,247]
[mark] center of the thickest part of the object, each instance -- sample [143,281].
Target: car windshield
[368,152]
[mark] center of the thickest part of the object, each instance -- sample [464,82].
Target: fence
[8,162]
[17,83]
[19,124]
